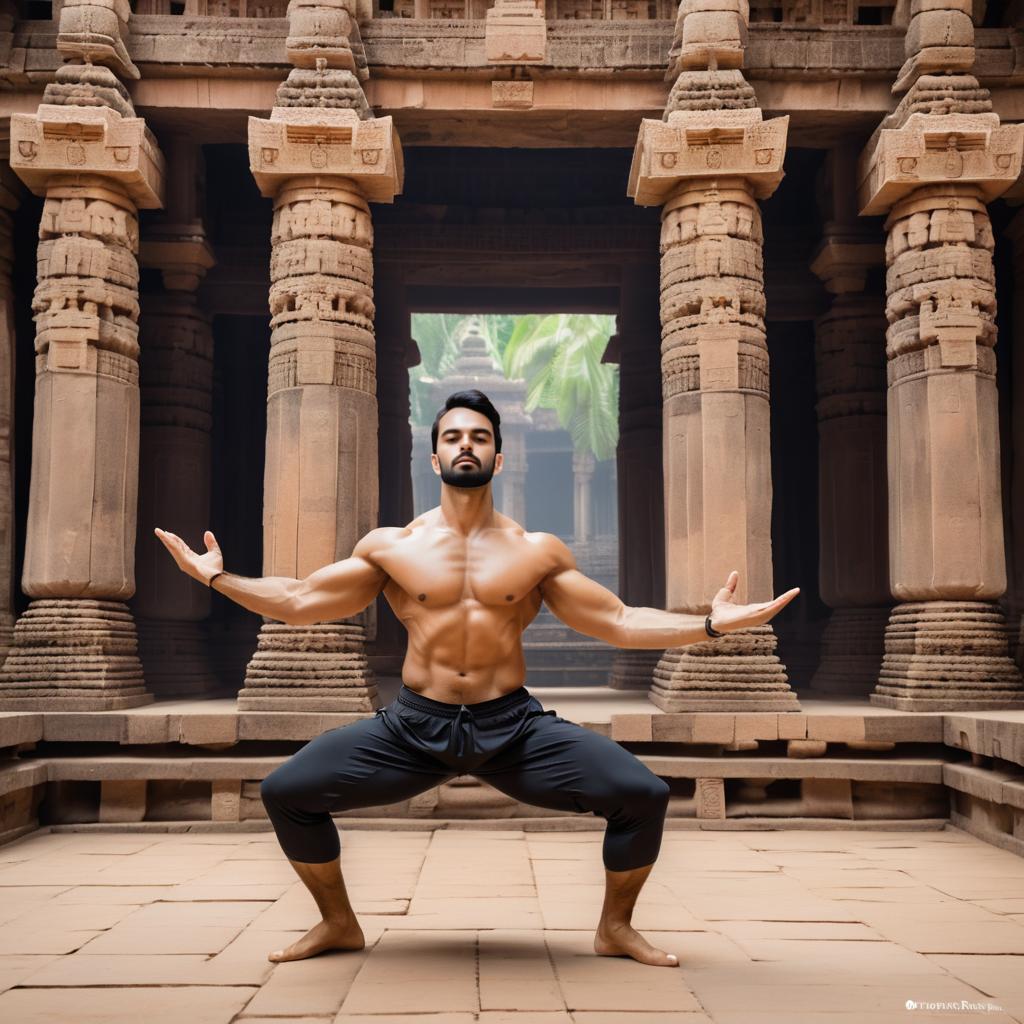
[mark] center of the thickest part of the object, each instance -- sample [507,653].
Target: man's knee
[280,788]
[647,796]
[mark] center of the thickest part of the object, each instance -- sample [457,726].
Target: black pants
[511,742]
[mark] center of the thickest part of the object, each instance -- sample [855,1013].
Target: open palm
[199,567]
[727,616]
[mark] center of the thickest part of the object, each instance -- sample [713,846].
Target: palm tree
[559,355]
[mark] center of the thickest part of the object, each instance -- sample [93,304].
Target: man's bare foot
[624,940]
[320,938]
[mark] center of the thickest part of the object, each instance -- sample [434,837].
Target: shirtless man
[466,581]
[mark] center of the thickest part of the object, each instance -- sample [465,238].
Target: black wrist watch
[709,629]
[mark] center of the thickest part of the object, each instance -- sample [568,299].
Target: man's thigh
[563,766]
[357,765]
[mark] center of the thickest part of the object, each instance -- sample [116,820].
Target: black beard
[463,478]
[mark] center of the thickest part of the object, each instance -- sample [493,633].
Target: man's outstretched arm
[586,606]
[334,592]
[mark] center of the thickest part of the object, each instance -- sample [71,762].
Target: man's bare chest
[440,571]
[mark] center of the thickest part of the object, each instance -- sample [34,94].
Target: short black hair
[471,399]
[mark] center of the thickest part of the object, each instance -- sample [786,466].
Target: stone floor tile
[654,1017]
[15,941]
[14,968]
[917,895]
[515,1017]
[515,972]
[591,982]
[999,936]
[432,913]
[874,959]
[726,908]
[996,976]
[81,970]
[83,917]
[803,991]
[289,1020]
[111,894]
[312,988]
[245,872]
[1001,905]
[205,1005]
[198,892]
[15,900]
[417,972]
[814,930]
[899,1016]
[404,1018]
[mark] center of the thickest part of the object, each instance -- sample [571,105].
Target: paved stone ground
[786,927]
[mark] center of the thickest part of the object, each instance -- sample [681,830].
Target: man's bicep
[582,603]
[340,589]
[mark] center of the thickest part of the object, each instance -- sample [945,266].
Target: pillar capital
[326,142]
[707,144]
[180,252]
[842,262]
[68,140]
[939,149]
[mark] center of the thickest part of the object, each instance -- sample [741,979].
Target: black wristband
[709,629]
[214,576]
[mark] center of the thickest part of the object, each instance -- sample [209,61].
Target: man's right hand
[199,567]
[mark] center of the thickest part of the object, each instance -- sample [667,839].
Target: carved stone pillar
[513,471]
[175,448]
[707,164]
[396,352]
[932,165]
[640,488]
[1015,554]
[582,476]
[853,543]
[75,648]
[322,157]
[8,202]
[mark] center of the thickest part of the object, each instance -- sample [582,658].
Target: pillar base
[947,656]
[73,654]
[739,672]
[309,668]
[852,649]
[633,670]
[176,658]
[6,635]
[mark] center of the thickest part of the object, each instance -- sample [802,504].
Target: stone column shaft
[75,647]
[8,202]
[322,157]
[853,537]
[639,464]
[933,165]
[706,164]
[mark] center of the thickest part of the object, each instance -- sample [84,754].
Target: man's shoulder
[553,548]
[380,540]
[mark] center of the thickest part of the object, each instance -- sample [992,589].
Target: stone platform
[834,764]
[470,927]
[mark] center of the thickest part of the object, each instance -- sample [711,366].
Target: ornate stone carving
[706,163]
[933,165]
[96,165]
[322,157]
[853,539]
[516,32]
[93,32]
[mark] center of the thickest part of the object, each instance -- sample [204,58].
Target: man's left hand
[727,617]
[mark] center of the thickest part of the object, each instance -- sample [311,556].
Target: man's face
[465,454]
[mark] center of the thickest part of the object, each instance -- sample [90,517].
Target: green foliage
[558,355]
